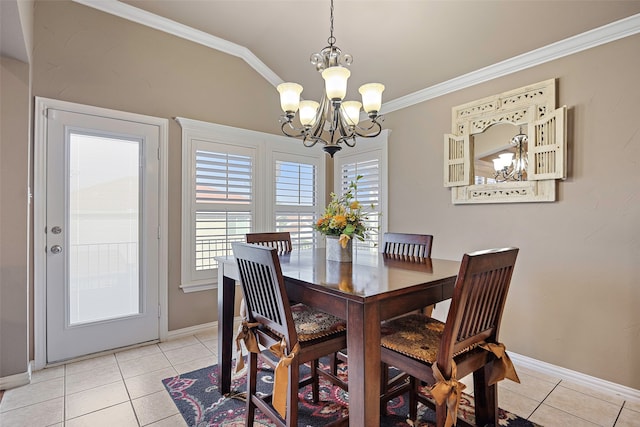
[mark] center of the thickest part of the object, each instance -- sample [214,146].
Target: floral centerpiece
[344,217]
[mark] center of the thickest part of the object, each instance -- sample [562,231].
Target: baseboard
[16,380]
[608,387]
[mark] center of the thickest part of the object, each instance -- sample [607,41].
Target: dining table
[366,291]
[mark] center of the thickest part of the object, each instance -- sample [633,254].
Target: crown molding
[598,36]
[587,40]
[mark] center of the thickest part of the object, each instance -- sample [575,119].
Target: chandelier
[331,121]
[513,166]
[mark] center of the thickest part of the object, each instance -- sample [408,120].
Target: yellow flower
[355,205]
[344,239]
[339,221]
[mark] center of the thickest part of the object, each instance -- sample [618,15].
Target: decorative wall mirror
[507,148]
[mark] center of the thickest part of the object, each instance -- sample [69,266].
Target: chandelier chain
[331,40]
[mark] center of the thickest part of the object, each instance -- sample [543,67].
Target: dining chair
[407,245]
[439,353]
[280,240]
[294,334]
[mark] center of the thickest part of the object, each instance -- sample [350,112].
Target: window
[369,160]
[224,202]
[296,201]
[236,181]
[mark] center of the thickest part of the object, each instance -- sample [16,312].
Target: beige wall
[90,57]
[14,230]
[575,295]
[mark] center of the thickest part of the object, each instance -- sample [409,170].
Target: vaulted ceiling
[408,45]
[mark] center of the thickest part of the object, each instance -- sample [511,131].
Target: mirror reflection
[500,154]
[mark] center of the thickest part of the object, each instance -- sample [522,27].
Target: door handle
[56,249]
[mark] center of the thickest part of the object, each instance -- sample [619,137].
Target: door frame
[39,214]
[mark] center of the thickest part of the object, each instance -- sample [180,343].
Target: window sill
[188,288]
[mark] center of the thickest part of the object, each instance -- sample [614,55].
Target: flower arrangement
[344,217]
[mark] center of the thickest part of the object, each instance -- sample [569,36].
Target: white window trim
[266,146]
[367,149]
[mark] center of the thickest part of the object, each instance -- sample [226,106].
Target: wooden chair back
[263,288]
[280,240]
[478,302]
[407,245]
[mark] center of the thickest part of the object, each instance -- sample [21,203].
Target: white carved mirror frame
[533,108]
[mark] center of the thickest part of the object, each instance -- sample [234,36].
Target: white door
[102,234]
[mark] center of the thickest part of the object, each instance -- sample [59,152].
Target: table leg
[363,347]
[226,306]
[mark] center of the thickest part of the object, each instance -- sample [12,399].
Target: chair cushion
[312,323]
[414,335]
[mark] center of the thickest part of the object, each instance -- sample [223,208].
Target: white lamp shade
[289,96]
[335,81]
[506,159]
[371,96]
[308,111]
[497,164]
[351,110]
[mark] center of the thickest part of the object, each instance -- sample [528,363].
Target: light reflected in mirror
[500,154]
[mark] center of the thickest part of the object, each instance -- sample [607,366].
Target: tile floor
[124,389]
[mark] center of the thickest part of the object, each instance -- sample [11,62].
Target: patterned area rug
[197,397]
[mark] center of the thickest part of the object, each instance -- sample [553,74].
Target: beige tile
[154,407]
[531,387]
[90,364]
[211,345]
[209,334]
[148,383]
[583,406]
[173,421]
[178,342]
[537,374]
[47,374]
[516,403]
[42,414]
[143,365]
[607,397]
[32,393]
[188,353]
[548,416]
[634,405]
[194,365]
[121,415]
[95,399]
[86,380]
[138,352]
[628,418]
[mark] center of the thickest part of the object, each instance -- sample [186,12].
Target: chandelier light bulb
[335,79]
[371,97]
[289,96]
[308,111]
[351,110]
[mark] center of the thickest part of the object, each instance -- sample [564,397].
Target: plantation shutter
[368,194]
[547,147]
[457,160]
[223,202]
[296,201]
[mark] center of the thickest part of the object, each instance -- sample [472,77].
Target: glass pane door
[104,199]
